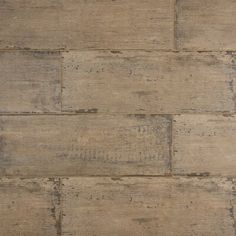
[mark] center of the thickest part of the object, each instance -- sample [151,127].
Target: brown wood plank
[204,144]
[80,24]
[206,25]
[30,81]
[49,145]
[28,207]
[147,206]
[148,82]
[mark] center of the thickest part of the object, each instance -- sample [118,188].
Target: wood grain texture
[148,82]
[50,145]
[27,207]
[117,117]
[147,206]
[30,81]
[80,24]
[204,144]
[206,24]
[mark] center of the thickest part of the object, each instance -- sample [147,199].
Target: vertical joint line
[175,24]
[231,211]
[171,146]
[56,205]
[61,76]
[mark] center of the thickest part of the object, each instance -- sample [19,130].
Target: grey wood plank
[204,144]
[27,207]
[30,81]
[147,206]
[79,24]
[206,25]
[148,82]
[51,145]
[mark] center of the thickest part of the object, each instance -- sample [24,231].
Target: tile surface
[28,207]
[49,145]
[117,117]
[93,24]
[148,82]
[30,81]
[206,25]
[204,144]
[147,206]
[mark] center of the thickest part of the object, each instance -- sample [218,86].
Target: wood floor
[117,117]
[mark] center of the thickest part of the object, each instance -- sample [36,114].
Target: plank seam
[171,145]
[231,213]
[226,114]
[175,175]
[118,49]
[175,24]
[56,208]
[61,77]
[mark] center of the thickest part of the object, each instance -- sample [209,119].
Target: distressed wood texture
[204,144]
[28,207]
[30,81]
[148,82]
[80,24]
[206,24]
[49,145]
[148,206]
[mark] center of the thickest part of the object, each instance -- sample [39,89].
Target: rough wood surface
[204,144]
[149,82]
[28,207]
[206,24]
[148,206]
[50,145]
[30,81]
[80,24]
[117,117]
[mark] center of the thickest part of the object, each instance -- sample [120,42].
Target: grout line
[175,24]
[120,49]
[63,113]
[230,177]
[61,75]
[232,215]
[60,207]
[170,144]
[57,208]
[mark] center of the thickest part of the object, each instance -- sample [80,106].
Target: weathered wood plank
[49,145]
[206,25]
[30,81]
[80,24]
[204,144]
[147,206]
[148,82]
[28,207]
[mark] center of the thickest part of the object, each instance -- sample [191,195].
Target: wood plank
[204,144]
[49,145]
[27,207]
[79,24]
[30,81]
[148,82]
[147,206]
[206,24]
